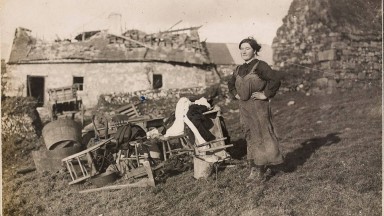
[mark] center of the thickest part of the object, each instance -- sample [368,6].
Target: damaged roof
[100,46]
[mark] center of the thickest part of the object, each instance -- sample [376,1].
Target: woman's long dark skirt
[262,143]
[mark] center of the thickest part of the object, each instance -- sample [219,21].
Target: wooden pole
[29,86]
[82,114]
[150,181]
[134,41]
[141,183]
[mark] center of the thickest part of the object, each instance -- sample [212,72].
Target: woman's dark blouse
[264,71]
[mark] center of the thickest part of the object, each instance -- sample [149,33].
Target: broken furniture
[125,114]
[104,178]
[50,160]
[62,138]
[174,145]
[215,147]
[64,99]
[134,116]
[131,158]
[133,148]
[125,151]
[129,110]
[145,182]
[82,165]
[209,154]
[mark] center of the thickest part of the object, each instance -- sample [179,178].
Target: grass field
[333,166]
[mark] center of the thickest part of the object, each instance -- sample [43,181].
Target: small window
[79,81]
[157,81]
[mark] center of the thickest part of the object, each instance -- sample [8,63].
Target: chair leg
[118,159]
[169,148]
[164,150]
[137,156]
[184,142]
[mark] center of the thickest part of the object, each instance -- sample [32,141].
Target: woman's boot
[250,164]
[256,174]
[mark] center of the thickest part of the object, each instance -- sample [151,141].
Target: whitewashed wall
[103,78]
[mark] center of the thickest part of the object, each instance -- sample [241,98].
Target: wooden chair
[215,147]
[132,155]
[63,96]
[131,162]
[126,114]
[175,145]
[82,165]
[129,110]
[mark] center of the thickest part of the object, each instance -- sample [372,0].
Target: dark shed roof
[219,53]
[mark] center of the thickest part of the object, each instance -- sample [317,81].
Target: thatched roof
[101,46]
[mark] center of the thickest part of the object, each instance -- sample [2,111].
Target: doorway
[35,88]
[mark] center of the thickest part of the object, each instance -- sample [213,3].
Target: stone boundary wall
[19,119]
[19,125]
[21,129]
[318,52]
[132,97]
[157,102]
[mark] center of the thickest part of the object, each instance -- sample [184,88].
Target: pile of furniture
[133,146]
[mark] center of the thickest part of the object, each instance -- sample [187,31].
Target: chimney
[114,24]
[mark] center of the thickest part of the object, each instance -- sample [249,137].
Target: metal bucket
[202,168]
[154,150]
[56,132]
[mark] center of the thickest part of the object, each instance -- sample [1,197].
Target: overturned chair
[104,126]
[211,153]
[205,131]
[121,154]
[83,165]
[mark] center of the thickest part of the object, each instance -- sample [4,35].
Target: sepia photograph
[179,107]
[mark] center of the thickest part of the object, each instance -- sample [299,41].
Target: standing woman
[254,83]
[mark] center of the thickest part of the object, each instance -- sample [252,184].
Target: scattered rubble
[290,103]
[21,127]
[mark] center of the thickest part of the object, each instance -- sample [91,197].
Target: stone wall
[3,76]
[21,128]
[225,70]
[107,78]
[20,118]
[330,44]
[133,97]
[157,102]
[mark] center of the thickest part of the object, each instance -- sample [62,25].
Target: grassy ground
[333,155]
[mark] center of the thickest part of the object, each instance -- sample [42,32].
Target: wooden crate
[62,94]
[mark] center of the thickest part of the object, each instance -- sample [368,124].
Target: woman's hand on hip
[258,96]
[237,97]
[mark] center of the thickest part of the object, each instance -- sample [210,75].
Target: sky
[226,21]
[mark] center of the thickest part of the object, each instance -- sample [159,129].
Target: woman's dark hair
[255,46]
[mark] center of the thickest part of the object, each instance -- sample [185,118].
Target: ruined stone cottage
[105,62]
[337,41]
